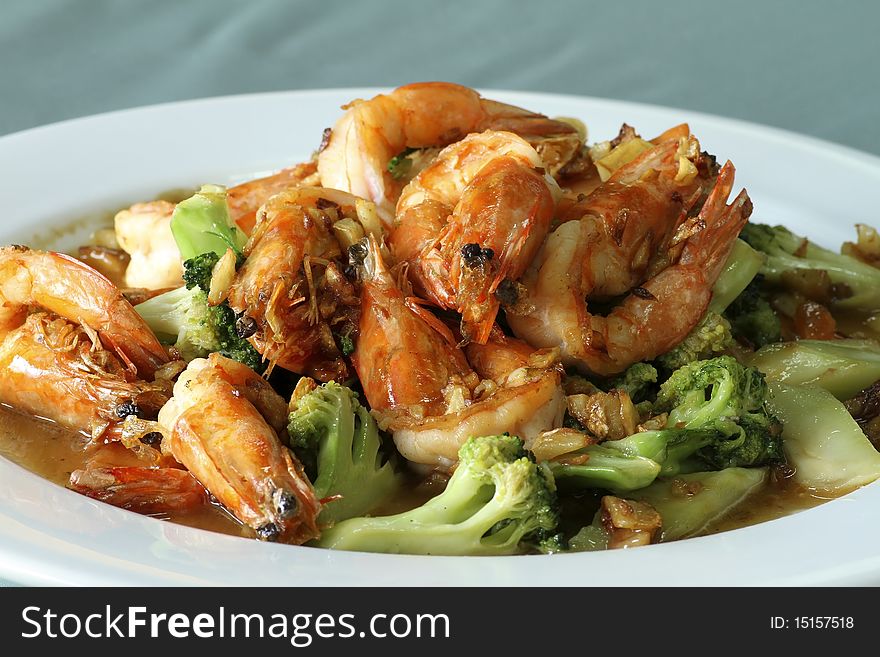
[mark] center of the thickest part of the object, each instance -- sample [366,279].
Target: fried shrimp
[144,232]
[219,426]
[291,291]
[658,231]
[425,115]
[55,369]
[422,388]
[141,489]
[245,199]
[84,363]
[60,284]
[471,222]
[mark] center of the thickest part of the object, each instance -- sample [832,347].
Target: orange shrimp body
[472,221]
[425,115]
[422,388]
[141,489]
[84,363]
[245,199]
[214,426]
[291,285]
[51,369]
[67,287]
[638,234]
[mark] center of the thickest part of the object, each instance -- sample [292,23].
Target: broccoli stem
[690,503]
[607,468]
[842,367]
[742,266]
[497,501]
[822,441]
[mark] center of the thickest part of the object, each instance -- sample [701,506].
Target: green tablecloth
[803,65]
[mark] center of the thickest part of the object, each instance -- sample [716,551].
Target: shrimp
[216,426]
[52,368]
[291,290]
[471,222]
[634,236]
[245,199]
[67,287]
[141,489]
[421,387]
[144,232]
[425,115]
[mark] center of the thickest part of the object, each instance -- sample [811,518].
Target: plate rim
[824,147]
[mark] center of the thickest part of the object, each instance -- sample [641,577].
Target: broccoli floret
[752,319]
[498,501]
[710,337]
[197,271]
[345,342]
[338,442]
[637,381]
[730,400]
[717,418]
[201,224]
[184,318]
[224,322]
[855,283]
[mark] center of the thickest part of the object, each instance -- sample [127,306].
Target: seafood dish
[461,328]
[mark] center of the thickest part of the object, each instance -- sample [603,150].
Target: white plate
[49,535]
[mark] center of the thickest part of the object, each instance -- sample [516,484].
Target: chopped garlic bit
[221,278]
[621,155]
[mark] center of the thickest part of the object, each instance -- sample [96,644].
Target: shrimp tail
[719,225]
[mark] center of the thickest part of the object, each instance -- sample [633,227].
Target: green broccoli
[717,418]
[852,283]
[741,267]
[842,367]
[752,319]
[201,224]
[498,501]
[635,461]
[708,338]
[637,381]
[607,467]
[729,399]
[338,442]
[197,271]
[184,318]
[688,504]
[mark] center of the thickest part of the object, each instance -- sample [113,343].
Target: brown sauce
[54,452]
[776,499]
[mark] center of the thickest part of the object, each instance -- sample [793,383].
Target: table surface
[805,66]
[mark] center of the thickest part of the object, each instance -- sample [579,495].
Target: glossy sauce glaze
[53,452]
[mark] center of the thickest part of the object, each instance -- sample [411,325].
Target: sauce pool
[53,452]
